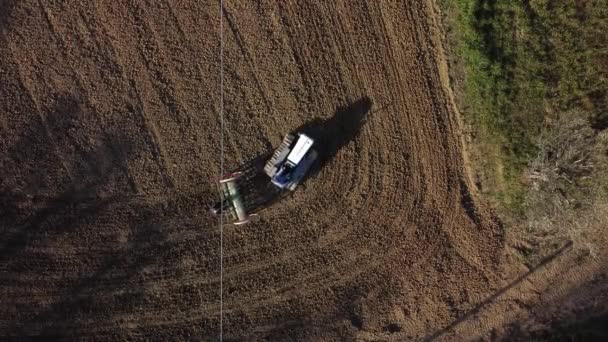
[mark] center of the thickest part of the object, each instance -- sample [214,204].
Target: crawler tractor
[291,161]
[249,190]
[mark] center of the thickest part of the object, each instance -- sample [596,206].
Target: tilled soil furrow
[124,97]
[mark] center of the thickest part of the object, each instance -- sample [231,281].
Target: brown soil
[110,140]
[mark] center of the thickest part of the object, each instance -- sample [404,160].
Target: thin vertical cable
[222,168]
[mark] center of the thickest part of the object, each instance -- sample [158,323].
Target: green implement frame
[230,192]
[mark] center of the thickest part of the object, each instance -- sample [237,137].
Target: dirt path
[110,126]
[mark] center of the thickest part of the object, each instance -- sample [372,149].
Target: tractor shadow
[335,133]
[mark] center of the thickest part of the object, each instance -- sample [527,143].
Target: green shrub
[525,63]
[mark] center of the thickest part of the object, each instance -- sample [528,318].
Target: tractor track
[111,121]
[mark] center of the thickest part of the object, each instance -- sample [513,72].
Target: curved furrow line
[88,89]
[297,258]
[45,124]
[254,302]
[386,224]
[181,280]
[251,66]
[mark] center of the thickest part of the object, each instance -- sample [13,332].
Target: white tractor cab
[291,161]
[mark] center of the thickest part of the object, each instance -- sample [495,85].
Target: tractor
[246,191]
[291,161]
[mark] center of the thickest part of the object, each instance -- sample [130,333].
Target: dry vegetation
[532,83]
[531,80]
[567,196]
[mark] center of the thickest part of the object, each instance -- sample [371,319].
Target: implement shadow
[500,292]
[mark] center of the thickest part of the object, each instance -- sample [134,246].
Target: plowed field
[110,144]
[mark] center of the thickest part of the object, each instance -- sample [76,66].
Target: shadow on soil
[500,292]
[579,314]
[42,193]
[6,8]
[56,186]
[594,328]
[120,284]
[333,134]
[295,325]
[40,197]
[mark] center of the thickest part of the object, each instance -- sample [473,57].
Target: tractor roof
[299,150]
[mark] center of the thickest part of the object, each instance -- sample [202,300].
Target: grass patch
[531,82]
[524,64]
